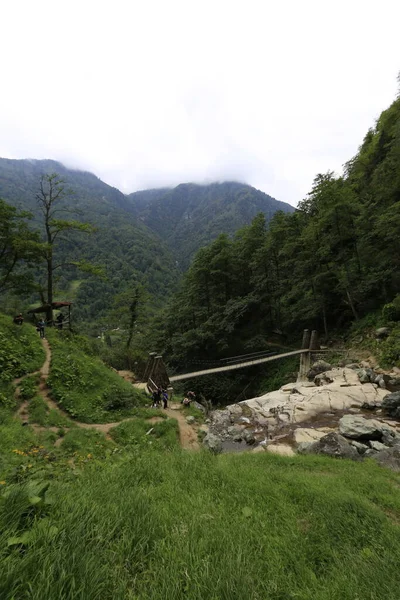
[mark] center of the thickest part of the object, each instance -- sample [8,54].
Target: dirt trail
[187,434]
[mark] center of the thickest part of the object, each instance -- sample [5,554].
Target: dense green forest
[191,216]
[331,262]
[134,239]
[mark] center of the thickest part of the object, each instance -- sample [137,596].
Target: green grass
[40,413]
[163,435]
[201,527]
[84,387]
[28,386]
[20,353]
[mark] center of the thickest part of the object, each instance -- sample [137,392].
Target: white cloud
[156,93]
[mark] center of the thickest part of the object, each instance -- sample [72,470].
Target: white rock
[303,434]
[281,449]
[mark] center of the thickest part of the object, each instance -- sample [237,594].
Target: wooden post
[149,366]
[306,339]
[314,344]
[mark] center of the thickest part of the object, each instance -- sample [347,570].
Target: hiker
[18,319]
[189,397]
[40,328]
[60,320]
[156,398]
[165,398]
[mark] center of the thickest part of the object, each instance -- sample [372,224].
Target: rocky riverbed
[350,411]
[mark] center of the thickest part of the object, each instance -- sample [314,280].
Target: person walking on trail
[18,319]
[40,328]
[156,398]
[165,398]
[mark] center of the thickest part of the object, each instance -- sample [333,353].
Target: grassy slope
[83,386]
[181,525]
[126,519]
[21,352]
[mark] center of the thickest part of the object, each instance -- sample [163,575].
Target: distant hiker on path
[156,398]
[18,319]
[165,398]
[40,328]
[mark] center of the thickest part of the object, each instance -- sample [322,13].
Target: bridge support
[155,373]
[310,341]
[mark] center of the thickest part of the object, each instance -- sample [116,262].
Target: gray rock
[372,405]
[390,437]
[349,363]
[213,443]
[390,457]
[248,436]
[320,366]
[236,432]
[363,375]
[303,447]
[377,446]
[190,420]
[391,405]
[356,427]
[382,332]
[370,453]
[199,406]
[221,418]
[361,448]
[334,445]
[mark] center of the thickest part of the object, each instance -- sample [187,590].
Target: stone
[244,420]
[391,405]
[221,418]
[199,406]
[248,436]
[190,420]
[356,427]
[361,448]
[334,445]
[363,376]
[213,443]
[382,332]
[281,449]
[303,434]
[258,449]
[236,432]
[390,458]
[320,366]
[377,446]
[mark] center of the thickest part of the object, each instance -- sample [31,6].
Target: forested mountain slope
[128,250]
[190,216]
[332,262]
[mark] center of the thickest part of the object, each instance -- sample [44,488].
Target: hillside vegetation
[329,264]
[191,216]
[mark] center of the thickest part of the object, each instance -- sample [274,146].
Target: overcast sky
[146,93]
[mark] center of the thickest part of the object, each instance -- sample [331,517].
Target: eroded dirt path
[187,433]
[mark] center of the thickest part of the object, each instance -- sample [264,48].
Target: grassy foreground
[152,525]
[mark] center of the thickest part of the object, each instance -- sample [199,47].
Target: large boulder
[358,428]
[320,366]
[390,457]
[334,445]
[391,405]
[213,443]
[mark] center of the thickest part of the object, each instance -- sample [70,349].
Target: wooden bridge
[155,374]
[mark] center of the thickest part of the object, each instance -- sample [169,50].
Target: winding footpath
[187,433]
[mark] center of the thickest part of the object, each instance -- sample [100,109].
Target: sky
[150,93]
